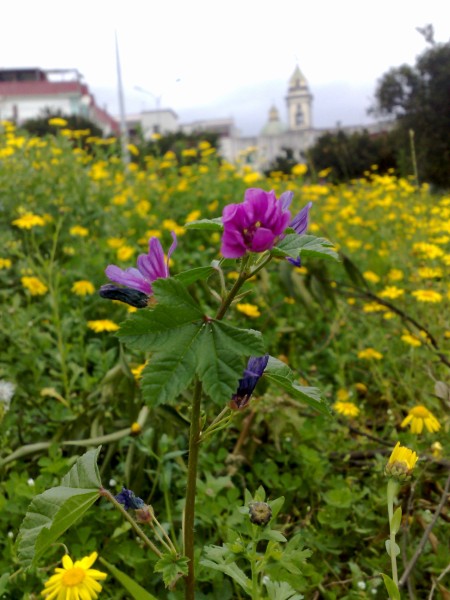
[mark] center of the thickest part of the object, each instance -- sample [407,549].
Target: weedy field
[370,331]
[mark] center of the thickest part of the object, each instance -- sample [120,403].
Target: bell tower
[299,102]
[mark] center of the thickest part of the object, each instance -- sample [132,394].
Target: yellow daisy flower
[83,288]
[427,296]
[34,286]
[401,463]
[436,449]
[250,310]
[369,354]
[371,277]
[347,409]
[28,220]
[75,580]
[5,263]
[102,325]
[79,231]
[137,371]
[412,340]
[57,122]
[392,292]
[418,417]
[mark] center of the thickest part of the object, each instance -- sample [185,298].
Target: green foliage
[392,589]
[178,141]
[137,592]
[351,155]
[283,163]
[257,556]
[40,125]
[54,511]
[74,385]
[172,568]
[418,97]
[185,343]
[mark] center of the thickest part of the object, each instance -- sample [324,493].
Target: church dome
[274,126]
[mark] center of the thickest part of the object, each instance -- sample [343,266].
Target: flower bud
[144,514]
[260,513]
[401,463]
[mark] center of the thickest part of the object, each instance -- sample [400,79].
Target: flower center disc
[420,412]
[73,576]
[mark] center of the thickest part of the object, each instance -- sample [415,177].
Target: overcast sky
[231,58]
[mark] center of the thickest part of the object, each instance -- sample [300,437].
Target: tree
[350,155]
[40,125]
[419,98]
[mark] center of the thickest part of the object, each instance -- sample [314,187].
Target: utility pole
[123,126]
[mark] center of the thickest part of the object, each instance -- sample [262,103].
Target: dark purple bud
[252,374]
[132,297]
[129,500]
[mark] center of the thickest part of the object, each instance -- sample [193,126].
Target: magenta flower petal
[131,278]
[301,220]
[153,265]
[263,239]
[150,267]
[256,224]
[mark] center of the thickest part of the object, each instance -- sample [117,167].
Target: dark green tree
[283,162]
[40,125]
[350,155]
[419,98]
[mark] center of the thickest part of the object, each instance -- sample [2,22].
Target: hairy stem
[106,494]
[189,511]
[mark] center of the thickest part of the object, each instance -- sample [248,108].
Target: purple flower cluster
[258,223]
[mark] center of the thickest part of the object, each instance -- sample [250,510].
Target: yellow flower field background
[372,332]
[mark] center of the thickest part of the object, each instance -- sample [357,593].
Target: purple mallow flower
[150,267]
[252,374]
[256,224]
[129,500]
[301,220]
[300,225]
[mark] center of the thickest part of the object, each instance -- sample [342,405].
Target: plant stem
[106,494]
[189,510]
[392,488]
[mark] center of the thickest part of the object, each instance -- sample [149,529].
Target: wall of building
[21,108]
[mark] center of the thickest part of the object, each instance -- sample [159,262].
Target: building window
[299,116]
[156,129]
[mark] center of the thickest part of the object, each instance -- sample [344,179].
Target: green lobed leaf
[392,589]
[172,568]
[51,513]
[137,592]
[173,293]
[149,330]
[294,245]
[281,590]
[272,535]
[219,358]
[171,370]
[193,275]
[206,224]
[217,558]
[282,376]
